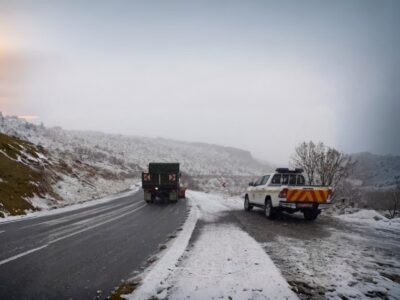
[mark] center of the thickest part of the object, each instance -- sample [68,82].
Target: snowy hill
[91,164]
[376,171]
[25,175]
[134,153]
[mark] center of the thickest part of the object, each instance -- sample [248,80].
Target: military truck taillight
[283,193]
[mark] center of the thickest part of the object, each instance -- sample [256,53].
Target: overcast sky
[258,75]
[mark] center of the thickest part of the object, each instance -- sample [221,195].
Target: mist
[261,76]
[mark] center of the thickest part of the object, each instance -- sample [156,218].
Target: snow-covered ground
[357,258]
[347,257]
[222,262]
[372,218]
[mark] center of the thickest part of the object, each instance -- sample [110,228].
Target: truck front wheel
[269,211]
[310,214]
[247,205]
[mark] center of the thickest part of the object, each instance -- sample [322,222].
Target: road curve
[75,254]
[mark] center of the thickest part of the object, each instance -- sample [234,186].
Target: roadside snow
[372,218]
[167,264]
[223,262]
[226,262]
[344,265]
[72,207]
[42,204]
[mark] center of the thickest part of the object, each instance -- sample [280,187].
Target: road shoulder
[218,260]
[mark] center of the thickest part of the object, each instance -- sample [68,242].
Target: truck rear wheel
[310,214]
[269,211]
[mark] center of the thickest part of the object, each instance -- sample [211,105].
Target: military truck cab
[162,181]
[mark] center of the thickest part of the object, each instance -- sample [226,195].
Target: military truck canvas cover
[164,168]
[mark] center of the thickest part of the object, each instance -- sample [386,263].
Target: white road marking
[22,254]
[69,235]
[2,231]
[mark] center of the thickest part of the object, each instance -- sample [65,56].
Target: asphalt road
[76,254]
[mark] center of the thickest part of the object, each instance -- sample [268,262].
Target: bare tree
[395,199]
[305,156]
[322,164]
[333,166]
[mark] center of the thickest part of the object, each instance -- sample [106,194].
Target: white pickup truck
[285,190]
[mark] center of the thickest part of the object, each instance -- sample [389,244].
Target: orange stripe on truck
[300,195]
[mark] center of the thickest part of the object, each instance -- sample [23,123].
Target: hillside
[91,164]
[25,176]
[376,171]
[134,153]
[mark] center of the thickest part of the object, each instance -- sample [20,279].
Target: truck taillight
[283,193]
[146,177]
[172,177]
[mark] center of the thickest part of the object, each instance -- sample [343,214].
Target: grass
[125,288]
[22,176]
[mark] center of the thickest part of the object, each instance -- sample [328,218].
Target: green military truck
[162,181]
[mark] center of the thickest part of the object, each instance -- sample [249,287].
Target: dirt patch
[125,288]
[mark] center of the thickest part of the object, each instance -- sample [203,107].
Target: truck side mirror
[251,183]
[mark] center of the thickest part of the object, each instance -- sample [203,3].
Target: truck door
[254,190]
[260,190]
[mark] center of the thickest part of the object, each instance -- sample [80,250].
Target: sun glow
[28,117]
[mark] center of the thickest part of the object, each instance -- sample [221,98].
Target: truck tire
[310,214]
[148,197]
[247,205]
[173,197]
[269,211]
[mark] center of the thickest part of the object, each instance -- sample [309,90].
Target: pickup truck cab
[285,190]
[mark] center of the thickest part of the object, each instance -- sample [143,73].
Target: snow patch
[167,264]
[372,218]
[224,261]
[38,202]
[67,208]
[343,266]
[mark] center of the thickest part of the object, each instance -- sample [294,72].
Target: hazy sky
[258,75]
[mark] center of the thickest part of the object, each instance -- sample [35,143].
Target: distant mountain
[376,171]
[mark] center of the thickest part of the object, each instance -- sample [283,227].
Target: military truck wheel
[269,211]
[247,205]
[310,214]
